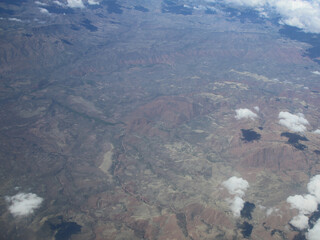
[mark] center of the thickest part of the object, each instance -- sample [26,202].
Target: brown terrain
[130,130]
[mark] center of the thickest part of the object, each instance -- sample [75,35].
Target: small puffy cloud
[200,7]
[23,204]
[262,207]
[245,113]
[316,72]
[300,221]
[93,2]
[295,123]
[15,19]
[317,131]
[247,3]
[314,187]
[44,11]
[305,204]
[314,233]
[271,211]
[256,108]
[58,3]
[40,3]
[236,206]
[75,3]
[236,186]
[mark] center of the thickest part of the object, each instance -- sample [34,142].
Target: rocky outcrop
[161,114]
[280,157]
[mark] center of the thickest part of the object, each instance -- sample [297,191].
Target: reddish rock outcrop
[164,227]
[164,112]
[281,157]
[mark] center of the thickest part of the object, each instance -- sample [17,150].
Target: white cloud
[58,3]
[295,123]
[15,19]
[272,210]
[262,207]
[314,233]
[316,72]
[256,108]
[305,204]
[75,3]
[44,11]
[245,113]
[300,13]
[236,186]
[317,131]
[236,206]
[93,2]
[300,221]
[269,211]
[200,7]
[314,187]
[304,14]
[247,3]
[40,3]
[23,204]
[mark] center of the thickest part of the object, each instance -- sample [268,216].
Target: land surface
[121,116]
